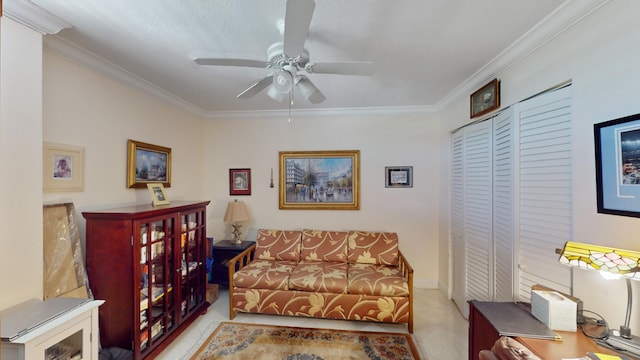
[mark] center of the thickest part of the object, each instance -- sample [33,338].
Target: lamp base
[616,342]
[236,234]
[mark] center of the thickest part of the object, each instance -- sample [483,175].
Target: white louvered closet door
[545,206]
[482,211]
[478,183]
[503,206]
[458,252]
[511,203]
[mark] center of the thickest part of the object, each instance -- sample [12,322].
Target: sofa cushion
[373,248]
[379,280]
[319,276]
[278,245]
[264,274]
[320,245]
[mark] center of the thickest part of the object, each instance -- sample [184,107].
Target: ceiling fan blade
[233,62]
[296,25]
[256,88]
[343,68]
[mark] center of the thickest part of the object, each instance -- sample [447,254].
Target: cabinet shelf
[146,262]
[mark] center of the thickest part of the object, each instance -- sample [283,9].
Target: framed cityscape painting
[320,180]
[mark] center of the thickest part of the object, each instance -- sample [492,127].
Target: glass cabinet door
[192,247]
[157,299]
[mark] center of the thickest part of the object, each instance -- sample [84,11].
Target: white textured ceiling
[422,49]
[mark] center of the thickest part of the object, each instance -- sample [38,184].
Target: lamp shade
[236,211]
[593,257]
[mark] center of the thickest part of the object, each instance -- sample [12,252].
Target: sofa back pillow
[278,245]
[321,245]
[380,248]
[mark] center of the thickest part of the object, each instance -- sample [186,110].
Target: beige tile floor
[440,331]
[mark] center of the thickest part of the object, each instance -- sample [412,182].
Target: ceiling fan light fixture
[308,90]
[282,81]
[275,94]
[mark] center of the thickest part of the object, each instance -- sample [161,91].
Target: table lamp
[612,263]
[236,212]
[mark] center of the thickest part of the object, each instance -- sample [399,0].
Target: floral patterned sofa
[351,275]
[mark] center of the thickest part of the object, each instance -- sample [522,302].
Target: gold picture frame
[158,194]
[147,164]
[486,99]
[62,167]
[320,180]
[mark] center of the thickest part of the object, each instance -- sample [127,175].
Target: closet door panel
[545,189]
[458,256]
[503,206]
[478,210]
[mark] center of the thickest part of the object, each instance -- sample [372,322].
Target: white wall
[601,56]
[21,158]
[384,140]
[82,108]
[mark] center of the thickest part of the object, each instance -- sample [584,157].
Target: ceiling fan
[288,58]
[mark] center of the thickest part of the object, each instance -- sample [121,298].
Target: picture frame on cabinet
[320,180]
[617,151]
[147,164]
[239,181]
[63,167]
[398,176]
[485,99]
[158,194]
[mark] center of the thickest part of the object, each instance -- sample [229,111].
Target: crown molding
[32,16]
[284,113]
[87,59]
[563,18]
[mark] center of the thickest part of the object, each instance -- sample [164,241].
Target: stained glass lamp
[610,261]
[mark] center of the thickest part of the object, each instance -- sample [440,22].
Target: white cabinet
[58,328]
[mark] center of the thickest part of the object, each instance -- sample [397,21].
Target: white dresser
[58,328]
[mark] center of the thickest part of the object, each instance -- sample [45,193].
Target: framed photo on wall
[147,163]
[320,180]
[486,99]
[398,176]
[239,181]
[617,150]
[63,167]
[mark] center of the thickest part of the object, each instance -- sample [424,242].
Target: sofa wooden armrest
[407,271]
[236,263]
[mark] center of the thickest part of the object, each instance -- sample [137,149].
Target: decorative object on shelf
[63,167]
[236,212]
[617,146]
[486,99]
[239,181]
[398,176]
[147,163]
[158,194]
[612,263]
[320,180]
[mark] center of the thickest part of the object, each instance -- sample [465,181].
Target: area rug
[265,342]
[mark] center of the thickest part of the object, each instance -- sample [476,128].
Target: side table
[224,250]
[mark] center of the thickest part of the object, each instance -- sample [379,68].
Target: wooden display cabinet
[149,264]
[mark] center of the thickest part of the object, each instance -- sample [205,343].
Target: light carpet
[239,341]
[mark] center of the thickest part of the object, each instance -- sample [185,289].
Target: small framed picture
[239,181]
[398,176]
[486,99]
[158,194]
[63,167]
